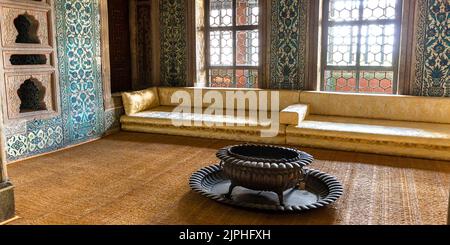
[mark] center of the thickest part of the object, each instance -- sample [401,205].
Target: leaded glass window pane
[233,50]
[361,46]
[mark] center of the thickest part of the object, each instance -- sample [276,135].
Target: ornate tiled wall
[173,43]
[433,50]
[288,44]
[82,116]
[80,70]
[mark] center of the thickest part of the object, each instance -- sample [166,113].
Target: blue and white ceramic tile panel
[433,51]
[79,51]
[288,44]
[82,112]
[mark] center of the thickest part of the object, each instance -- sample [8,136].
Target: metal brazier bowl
[264,167]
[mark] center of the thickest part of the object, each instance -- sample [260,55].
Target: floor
[130,178]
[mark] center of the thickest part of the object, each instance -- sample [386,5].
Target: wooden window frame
[326,24]
[234,29]
[406,52]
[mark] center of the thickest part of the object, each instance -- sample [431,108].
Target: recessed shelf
[28,59]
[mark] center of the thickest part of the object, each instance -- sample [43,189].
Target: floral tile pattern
[433,51]
[288,44]
[79,41]
[173,43]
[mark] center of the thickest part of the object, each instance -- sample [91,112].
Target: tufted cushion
[139,101]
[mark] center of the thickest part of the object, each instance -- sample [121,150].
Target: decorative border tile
[433,49]
[40,136]
[112,118]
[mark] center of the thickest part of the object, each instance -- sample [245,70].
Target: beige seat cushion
[373,130]
[139,101]
[383,107]
[164,115]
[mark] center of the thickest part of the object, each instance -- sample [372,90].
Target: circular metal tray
[321,189]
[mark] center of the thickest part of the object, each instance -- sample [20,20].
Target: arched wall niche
[31,94]
[27,28]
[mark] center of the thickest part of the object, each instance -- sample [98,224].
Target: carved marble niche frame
[44,52]
[40,15]
[12,102]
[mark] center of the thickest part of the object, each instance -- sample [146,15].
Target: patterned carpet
[130,178]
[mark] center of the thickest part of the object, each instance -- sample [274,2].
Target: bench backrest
[287,98]
[389,107]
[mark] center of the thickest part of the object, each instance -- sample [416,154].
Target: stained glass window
[361,46]
[233,43]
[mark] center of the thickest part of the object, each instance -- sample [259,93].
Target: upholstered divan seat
[382,124]
[158,114]
[393,125]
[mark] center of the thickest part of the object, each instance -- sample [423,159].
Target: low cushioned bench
[152,111]
[393,125]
